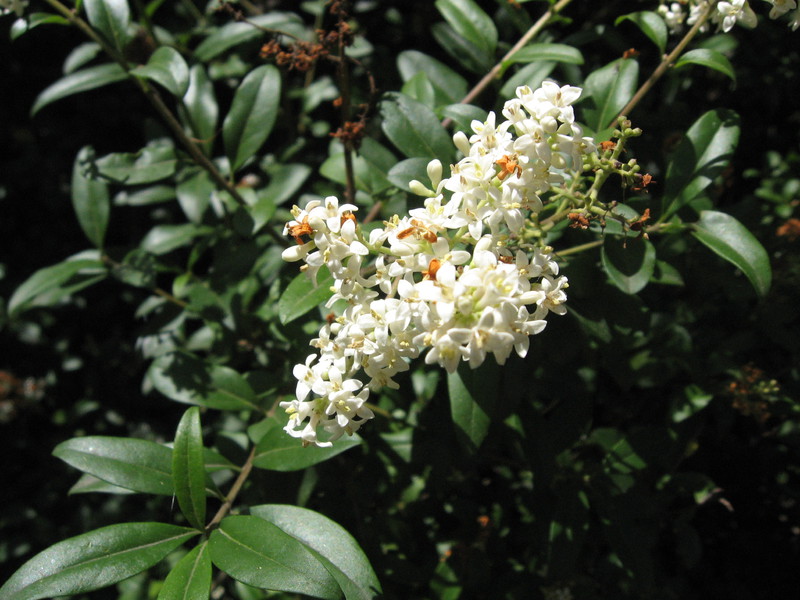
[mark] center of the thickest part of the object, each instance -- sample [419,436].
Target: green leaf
[133,464]
[420,89]
[87,484]
[449,87]
[233,34]
[284,181]
[531,75]
[546,52]
[651,24]
[700,158]
[413,128]
[693,401]
[90,199]
[199,108]
[152,163]
[731,240]
[252,114]
[610,88]
[406,170]
[188,468]
[347,562]
[190,579]
[463,115]
[629,266]
[258,553]
[194,192]
[163,239]
[94,560]
[470,22]
[278,451]
[79,81]
[167,68]
[302,295]
[23,25]
[111,18]
[707,58]
[472,395]
[468,55]
[49,285]
[184,378]
[80,55]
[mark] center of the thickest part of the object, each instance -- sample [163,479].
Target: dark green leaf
[152,163]
[258,553]
[87,484]
[629,266]
[188,469]
[707,58]
[651,24]
[470,22]
[130,463]
[468,55]
[408,169]
[348,563]
[693,401]
[278,451]
[155,194]
[233,34]
[252,114]
[194,193]
[531,75]
[79,81]
[167,68]
[284,181]
[610,88]
[190,579]
[90,199]
[184,378]
[302,295]
[24,25]
[472,395]
[414,129]
[420,89]
[199,108]
[700,158]
[463,115]
[81,55]
[49,285]
[731,240]
[163,239]
[449,87]
[111,18]
[94,560]
[546,52]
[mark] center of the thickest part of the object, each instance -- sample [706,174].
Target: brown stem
[235,489]
[523,41]
[665,64]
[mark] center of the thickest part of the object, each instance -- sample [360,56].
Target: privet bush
[445,180]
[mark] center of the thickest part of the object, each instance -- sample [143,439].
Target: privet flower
[450,280]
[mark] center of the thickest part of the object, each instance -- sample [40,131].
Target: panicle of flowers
[451,279]
[725,14]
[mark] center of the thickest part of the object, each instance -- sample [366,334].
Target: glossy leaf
[629,266]
[190,579]
[284,181]
[188,469]
[252,114]
[302,295]
[80,81]
[532,75]
[199,108]
[152,163]
[406,170]
[24,25]
[184,378]
[90,199]
[133,464]
[463,115]
[731,240]
[707,58]
[651,24]
[111,18]
[163,239]
[258,553]
[347,562]
[610,87]
[449,87]
[167,68]
[470,22]
[49,285]
[420,89]
[472,395]
[699,158]
[467,54]
[81,55]
[233,34]
[546,52]
[94,560]
[278,451]
[194,192]
[413,128]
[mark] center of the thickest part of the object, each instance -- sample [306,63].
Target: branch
[235,489]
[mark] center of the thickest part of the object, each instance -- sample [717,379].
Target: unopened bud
[462,142]
[435,172]
[419,189]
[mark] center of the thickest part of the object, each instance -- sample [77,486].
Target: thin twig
[235,489]
[523,41]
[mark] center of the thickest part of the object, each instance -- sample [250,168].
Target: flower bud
[462,142]
[435,172]
[419,189]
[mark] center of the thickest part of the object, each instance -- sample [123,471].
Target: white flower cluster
[726,13]
[445,278]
